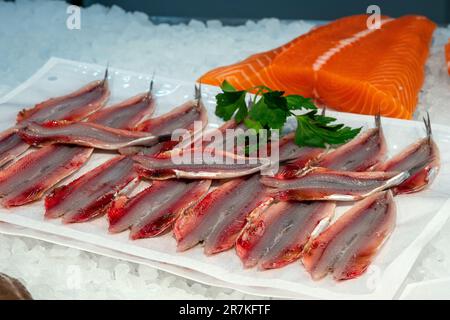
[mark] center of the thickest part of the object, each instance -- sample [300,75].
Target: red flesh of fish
[349,245]
[154,210]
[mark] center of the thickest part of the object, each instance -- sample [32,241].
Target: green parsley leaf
[315,131]
[296,102]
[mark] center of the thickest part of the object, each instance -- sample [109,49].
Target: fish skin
[348,246]
[208,220]
[153,210]
[421,160]
[162,167]
[336,71]
[360,154]
[22,182]
[85,134]
[58,161]
[187,113]
[45,111]
[93,97]
[342,185]
[90,195]
[165,125]
[11,146]
[127,114]
[276,236]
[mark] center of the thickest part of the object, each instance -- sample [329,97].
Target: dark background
[235,11]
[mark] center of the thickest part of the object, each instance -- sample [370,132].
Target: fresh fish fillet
[30,177]
[349,245]
[165,167]
[420,159]
[154,210]
[85,134]
[218,219]
[72,107]
[11,146]
[360,154]
[277,235]
[344,65]
[324,184]
[90,195]
[180,117]
[127,114]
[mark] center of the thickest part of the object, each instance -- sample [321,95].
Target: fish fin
[105,77]
[198,94]
[427,123]
[378,120]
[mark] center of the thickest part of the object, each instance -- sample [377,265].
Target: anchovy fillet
[126,114]
[85,134]
[230,166]
[218,219]
[360,154]
[180,117]
[276,236]
[30,177]
[324,184]
[11,146]
[72,107]
[155,209]
[349,245]
[90,195]
[421,160]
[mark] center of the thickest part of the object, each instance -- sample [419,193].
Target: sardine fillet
[220,216]
[89,196]
[345,65]
[154,210]
[29,178]
[324,184]
[85,134]
[349,245]
[276,236]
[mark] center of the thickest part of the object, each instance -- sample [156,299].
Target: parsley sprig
[270,110]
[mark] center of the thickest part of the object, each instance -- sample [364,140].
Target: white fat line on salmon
[324,58]
[247,146]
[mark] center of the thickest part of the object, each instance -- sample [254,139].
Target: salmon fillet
[344,65]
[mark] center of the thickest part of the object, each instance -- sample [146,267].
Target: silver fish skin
[90,195]
[164,167]
[74,106]
[420,159]
[276,236]
[360,154]
[324,184]
[349,245]
[85,134]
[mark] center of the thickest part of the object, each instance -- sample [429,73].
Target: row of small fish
[269,220]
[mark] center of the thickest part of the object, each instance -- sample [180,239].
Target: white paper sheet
[419,215]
